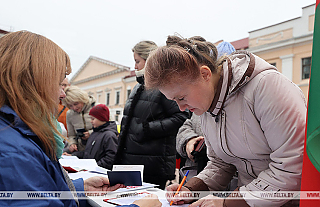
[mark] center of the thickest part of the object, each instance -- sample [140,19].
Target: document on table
[76,165]
[69,157]
[133,188]
[136,196]
[86,174]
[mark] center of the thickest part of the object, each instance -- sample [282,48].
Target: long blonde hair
[31,69]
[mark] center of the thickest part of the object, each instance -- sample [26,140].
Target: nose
[182,107]
[62,94]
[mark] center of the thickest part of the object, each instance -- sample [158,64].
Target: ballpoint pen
[181,184]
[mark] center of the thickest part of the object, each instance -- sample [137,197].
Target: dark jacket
[148,132]
[102,145]
[24,165]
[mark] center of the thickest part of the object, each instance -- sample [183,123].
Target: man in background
[62,114]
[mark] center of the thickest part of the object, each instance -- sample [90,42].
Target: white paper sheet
[80,164]
[129,200]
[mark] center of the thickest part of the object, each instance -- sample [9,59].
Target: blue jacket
[25,167]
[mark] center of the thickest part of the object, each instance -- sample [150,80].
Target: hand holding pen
[174,189]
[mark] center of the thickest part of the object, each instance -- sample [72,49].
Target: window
[98,97]
[117,97]
[128,93]
[306,67]
[107,99]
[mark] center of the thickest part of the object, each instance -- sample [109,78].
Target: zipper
[247,163]
[94,141]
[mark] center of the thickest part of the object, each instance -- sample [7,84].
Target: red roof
[241,44]
[3,31]
[132,73]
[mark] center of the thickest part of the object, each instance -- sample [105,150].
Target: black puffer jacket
[102,145]
[148,132]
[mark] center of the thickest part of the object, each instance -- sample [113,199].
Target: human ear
[205,72]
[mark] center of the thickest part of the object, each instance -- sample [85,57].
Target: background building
[3,32]
[287,45]
[109,83]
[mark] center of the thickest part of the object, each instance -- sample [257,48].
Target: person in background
[253,119]
[103,142]
[149,126]
[78,120]
[32,69]
[190,133]
[225,48]
[62,114]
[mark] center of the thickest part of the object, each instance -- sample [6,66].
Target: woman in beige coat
[78,119]
[253,119]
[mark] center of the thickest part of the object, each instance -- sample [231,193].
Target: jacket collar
[101,127]
[140,80]
[224,85]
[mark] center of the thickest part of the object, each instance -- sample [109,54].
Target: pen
[179,188]
[91,171]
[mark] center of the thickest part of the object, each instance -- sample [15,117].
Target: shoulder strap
[64,107]
[225,83]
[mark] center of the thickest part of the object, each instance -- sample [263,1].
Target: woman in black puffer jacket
[149,127]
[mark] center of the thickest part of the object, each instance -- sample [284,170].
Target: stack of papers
[77,165]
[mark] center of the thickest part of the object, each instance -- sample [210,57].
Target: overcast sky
[109,29]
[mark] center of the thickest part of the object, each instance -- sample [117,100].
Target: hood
[245,66]
[238,69]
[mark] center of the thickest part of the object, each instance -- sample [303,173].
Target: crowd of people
[189,92]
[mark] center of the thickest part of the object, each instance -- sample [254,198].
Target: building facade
[109,83]
[288,46]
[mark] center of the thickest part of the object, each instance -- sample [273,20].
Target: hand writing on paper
[171,190]
[98,183]
[148,201]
